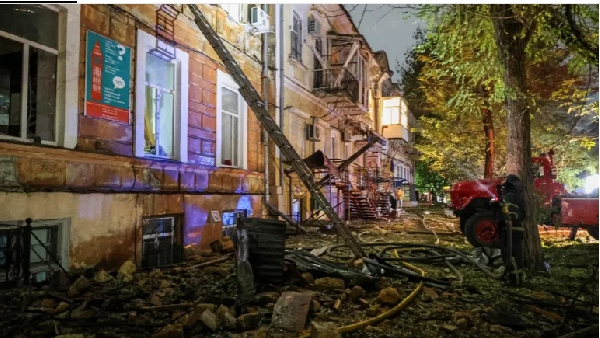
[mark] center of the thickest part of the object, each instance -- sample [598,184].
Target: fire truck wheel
[593,231]
[482,230]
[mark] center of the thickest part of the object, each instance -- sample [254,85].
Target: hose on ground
[400,245]
[392,312]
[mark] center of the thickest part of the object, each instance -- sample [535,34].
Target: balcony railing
[325,80]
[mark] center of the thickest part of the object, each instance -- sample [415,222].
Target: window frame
[145,43]
[67,87]
[225,80]
[63,229]
[296,37]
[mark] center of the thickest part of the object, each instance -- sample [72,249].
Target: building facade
[121,131]
[122,135]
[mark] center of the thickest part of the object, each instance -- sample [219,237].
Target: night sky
[388,32]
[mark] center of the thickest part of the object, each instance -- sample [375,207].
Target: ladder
[254,100]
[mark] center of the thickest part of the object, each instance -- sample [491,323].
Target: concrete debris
[389,296]
[308,278]
[315,306]
[357,293]
[291,310]
[210,320]
[103,277]
[170,331]
[222,245]
[373,310]
[265,298]
[324,330]
[126,271]
[248,321]
[82,312]
[80,284]
[329,283]
[337,306]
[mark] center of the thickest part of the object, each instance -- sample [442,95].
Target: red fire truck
[476,203]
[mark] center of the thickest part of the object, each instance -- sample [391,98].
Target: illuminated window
[391,111]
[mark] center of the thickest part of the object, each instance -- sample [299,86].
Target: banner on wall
[108,70]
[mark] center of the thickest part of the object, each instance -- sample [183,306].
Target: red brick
[105,130]
[200,133]
[94,20]
[105,147]
[202,108]
[208,147]
[201,180]
[195,119]
[195,67]
[47,173]
[209,74]
[188,180]
[209,123]
[122,32]
[208,98]
[195,94]
[199,82]
[201,160]
[171,179]
[203,59]
[107,176]
[194,146]
[80,175]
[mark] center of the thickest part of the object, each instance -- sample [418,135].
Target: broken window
[297,38]
[28,70]
[161,241]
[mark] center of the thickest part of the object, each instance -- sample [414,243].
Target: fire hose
[390,313]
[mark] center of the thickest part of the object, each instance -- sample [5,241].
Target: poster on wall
[108,70]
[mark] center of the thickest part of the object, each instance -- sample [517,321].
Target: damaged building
[123,137]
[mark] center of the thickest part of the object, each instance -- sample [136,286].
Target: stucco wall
[105,228]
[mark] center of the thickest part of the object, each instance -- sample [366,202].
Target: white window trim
[146,42]
[67,77]
[64,233]
[225,80]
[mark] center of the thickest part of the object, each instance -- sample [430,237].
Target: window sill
[18,140]
[297,63]
[159,158]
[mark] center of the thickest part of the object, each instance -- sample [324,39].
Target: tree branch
[577,33]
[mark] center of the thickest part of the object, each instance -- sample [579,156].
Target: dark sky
[386,31]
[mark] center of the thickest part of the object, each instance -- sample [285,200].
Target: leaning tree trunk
[511,41]
[490,151]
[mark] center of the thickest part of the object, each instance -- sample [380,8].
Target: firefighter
[400,196]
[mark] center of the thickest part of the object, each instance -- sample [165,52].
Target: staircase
[360,206]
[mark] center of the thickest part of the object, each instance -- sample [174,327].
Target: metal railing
[326,80]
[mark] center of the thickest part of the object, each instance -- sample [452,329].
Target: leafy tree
[495,48]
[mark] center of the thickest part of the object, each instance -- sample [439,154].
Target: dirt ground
[173,301]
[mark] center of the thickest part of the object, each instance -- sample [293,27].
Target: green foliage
[427,178]
[456,60]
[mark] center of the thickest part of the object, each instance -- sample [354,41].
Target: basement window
[161,241]
[49,238]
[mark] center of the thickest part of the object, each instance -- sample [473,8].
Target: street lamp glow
[591,183]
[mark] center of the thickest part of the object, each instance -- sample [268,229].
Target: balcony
[341,90]
[396,131]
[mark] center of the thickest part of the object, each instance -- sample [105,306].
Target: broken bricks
[329,283]
[291,310]
[324,330]
[389,296]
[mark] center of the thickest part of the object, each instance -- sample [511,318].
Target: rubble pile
[320,298]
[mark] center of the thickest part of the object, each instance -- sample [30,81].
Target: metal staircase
[254,100]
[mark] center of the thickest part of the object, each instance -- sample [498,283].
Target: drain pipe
[281,94]
[266,102]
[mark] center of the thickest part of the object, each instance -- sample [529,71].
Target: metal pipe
[266,102]
[281,94]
